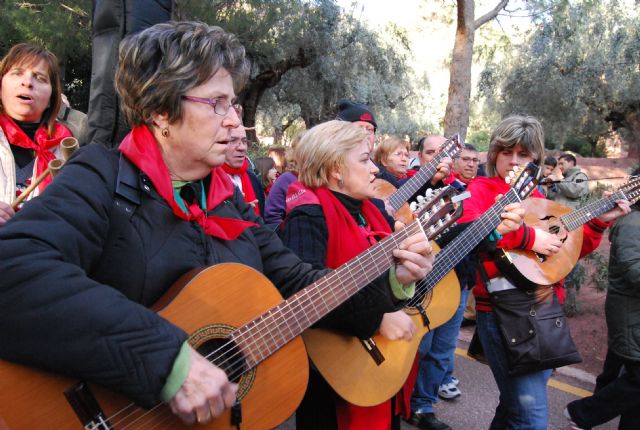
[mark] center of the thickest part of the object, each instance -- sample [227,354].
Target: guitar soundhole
[212,342]
[226,355]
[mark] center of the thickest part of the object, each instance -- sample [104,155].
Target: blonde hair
[387,147]
[515,130]
[323,149]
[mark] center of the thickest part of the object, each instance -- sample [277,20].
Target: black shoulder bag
[534,330]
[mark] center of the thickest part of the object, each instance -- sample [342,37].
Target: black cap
[352,112]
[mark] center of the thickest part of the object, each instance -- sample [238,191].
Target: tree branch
[490,15]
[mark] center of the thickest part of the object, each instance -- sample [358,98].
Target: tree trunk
[456,119]
[632,123]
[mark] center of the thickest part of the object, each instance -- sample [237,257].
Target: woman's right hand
[6,212]
[397,325]
[205,393]
[546,243]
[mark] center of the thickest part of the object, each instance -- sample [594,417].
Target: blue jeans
[523,399]
[436,350]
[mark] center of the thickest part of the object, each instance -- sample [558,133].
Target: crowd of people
[86,255]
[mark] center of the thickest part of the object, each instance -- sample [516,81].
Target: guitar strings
[272,316]
[316,288]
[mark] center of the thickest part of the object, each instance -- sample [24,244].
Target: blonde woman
[392,156]
[330,219]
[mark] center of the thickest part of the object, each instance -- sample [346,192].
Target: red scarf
[247,187]
[346,238]
[140,147]
[41,146]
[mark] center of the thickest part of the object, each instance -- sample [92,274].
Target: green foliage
[62,27]
[577,71]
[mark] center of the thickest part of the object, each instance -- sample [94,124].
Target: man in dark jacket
[618,386]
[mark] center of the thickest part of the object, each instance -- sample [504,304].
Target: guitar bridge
[86,407]
[371,347]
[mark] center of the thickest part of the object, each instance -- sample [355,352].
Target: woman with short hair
[392,155]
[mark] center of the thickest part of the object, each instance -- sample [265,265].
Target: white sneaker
[572,425]
[449,391]
[455,381]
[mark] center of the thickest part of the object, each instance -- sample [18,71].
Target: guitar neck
[270,331]
[413,184]
[464,243]
[579,217]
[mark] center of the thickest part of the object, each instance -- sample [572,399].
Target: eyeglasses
[469,159]
[220,106]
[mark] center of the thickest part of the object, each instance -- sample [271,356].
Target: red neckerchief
[461,179]
[346,238]
[247,187]
[41,146]
[140,147]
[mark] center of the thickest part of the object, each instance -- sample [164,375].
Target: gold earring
[165,132]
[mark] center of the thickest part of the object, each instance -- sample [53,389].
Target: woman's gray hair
[160,64]
[513,130]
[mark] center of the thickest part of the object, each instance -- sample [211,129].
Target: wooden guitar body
[352,372]
[384,189]
[530,268]
[213,303]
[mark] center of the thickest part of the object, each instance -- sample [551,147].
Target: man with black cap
[360,115]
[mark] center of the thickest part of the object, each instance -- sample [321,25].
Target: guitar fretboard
[266,334]
[413,184]
[463,244]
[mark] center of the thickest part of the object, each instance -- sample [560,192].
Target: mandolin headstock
[631,189]
[523,180]
[438,211]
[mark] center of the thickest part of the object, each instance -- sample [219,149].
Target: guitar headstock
[523,180]
[452,146]
[631,189]
[438,212]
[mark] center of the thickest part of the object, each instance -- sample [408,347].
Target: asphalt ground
[474,409]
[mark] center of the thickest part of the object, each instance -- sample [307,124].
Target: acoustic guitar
[367,373]
[528,268]
[398,198]
[249,331]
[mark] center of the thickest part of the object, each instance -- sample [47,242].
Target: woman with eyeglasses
[392,155]
[83,262]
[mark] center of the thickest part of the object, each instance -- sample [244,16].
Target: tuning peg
[413,206]
[420,199]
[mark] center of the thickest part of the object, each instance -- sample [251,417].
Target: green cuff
[400,292]
[178,374]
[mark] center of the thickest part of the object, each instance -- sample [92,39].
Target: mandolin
[367,372]
[250,332]
[529,269]
[398,198]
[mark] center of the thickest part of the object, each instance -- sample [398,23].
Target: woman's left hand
[415,259]
[623,207]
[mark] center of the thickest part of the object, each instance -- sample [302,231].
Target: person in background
[278,154]
[275,207]
[117,228]
[330,220]
[548,167]
[437,348]
[617,391]
[392,156]
[516,141]
[267,172]
[236,165]
[30,97]
[572,187]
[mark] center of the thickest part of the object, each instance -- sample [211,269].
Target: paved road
[474,409]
